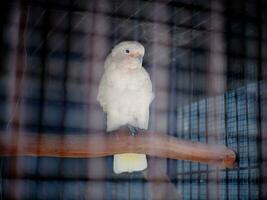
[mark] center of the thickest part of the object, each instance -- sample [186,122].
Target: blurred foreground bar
[121,141]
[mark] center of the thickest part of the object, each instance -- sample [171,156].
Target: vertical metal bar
[248,145]
[237,140]
[260,137]
[227,38]
[198,138]
[244,49]
[226,143]
[17,91]
[172,100]
[190,126]
[67,60]
[114,33]
[191,89]
[66,64]
[183,134]
[136,30]
[207,133]
[44,52]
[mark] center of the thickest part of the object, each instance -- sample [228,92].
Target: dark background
[207,61]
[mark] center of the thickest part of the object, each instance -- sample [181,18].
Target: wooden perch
[107,144]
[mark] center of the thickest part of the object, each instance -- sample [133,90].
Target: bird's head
[128,54]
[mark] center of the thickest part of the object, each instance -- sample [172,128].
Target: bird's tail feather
[129,162]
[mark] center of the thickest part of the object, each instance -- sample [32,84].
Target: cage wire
[207,62]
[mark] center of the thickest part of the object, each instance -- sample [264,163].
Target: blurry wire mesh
[207,63]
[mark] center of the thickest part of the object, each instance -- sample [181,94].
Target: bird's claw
[134,130]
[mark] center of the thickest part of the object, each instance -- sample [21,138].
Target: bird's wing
[144,117]
[102,92]
[148,84]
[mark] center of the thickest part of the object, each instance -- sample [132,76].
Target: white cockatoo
[125,93]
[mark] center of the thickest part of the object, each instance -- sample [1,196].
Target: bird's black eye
[127,51]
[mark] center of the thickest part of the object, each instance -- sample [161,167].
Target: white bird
[125,93]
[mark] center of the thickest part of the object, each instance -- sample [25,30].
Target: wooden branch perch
[106,144]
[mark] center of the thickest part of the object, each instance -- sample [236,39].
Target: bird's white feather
[125,96]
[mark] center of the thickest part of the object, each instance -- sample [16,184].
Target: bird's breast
[128,91]
[123,80]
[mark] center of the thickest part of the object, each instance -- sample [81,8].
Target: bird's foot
[134,130]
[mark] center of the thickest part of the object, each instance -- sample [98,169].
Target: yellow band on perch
[117,142]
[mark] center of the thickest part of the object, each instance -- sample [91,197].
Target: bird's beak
[136,54]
